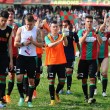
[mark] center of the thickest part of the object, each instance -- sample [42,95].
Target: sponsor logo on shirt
[90,39]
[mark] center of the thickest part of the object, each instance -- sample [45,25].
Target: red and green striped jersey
[89,48]
[103,48]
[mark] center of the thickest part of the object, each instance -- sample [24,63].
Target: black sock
[52,92]
[1,92]
[20,89]
[98,75]
[104,84]
[95,83]
[69,81]
[85,90]
[37,81]
[25,85]
[10,87]
[2,86]
[3,89]
[30,93]
[91,88]
[59,87]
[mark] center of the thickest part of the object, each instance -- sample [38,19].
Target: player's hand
[65,32]
[31,39]
[11,65]
[88,31]
[28,42]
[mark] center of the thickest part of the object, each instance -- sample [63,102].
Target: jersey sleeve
[80,33]
[47,40]
[19,25]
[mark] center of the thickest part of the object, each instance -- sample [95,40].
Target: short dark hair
[4,14]
[29,17]
[67,21]
[53,22]
[89,17]
[10,10]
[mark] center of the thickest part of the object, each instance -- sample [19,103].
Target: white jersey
[29,50]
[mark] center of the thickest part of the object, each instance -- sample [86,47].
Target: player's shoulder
[18,24]
[9,28]
[81,31]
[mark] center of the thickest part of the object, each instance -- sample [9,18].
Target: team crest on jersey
[7,35]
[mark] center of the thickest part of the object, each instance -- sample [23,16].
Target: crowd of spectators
[49,13]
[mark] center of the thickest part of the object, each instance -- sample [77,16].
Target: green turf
[74,101]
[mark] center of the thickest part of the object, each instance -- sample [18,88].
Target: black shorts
[26,64]
[39,68]
[52,70]
[70,63]
[4,62]
[87,67]
[100,60]
[14,64]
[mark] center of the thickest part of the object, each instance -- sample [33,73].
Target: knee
[19,78]
[84,81]
[31,82]
[51,81]
[69,72]
[104,75]
[92,80]
[37,76]
[62,81]
[12,76]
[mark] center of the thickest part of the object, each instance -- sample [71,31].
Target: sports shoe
[21,102]
[8,99]
[91,100]
[2,105]
[30,104]
[4,102]
[61,91]
[34,94]
[104,94]
[27,98]
[57,98]
[52,103]
[95,92]
[68,92]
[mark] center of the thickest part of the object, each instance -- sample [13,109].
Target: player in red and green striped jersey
[89,39]
[87,48]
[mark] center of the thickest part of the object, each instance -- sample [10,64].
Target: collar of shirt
[54,37]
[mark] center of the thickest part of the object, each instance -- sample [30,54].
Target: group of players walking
[21,53]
